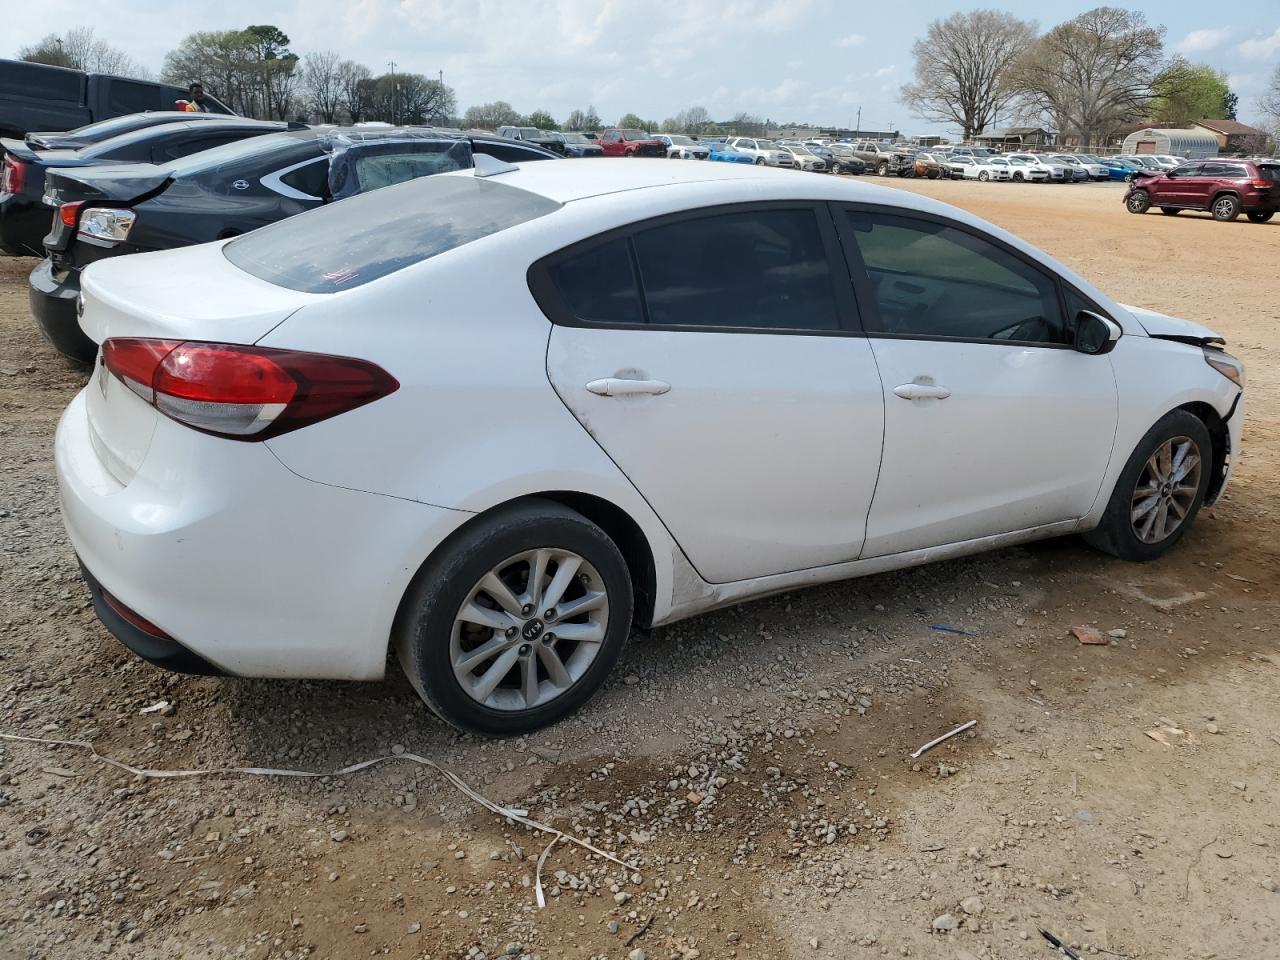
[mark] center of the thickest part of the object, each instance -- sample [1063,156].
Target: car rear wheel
[1159,491]
[517,621]
[1170,211]
[1139,202]
[1260,216]
[1226,208]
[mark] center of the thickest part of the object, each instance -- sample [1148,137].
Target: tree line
[1090,78]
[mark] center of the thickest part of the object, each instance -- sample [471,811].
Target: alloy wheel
[1226,208]
[529,630]
[1166,490]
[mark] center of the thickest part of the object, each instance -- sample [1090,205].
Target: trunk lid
[115,185]
[193,293]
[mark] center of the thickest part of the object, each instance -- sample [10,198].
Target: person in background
[195,103]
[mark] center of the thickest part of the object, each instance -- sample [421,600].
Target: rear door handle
[617,387]
[921,391]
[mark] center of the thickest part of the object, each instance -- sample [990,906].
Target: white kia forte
[494,418]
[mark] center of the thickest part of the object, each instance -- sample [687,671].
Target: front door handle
[617,387]
[921,391]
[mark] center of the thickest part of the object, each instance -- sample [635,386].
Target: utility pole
[858,131]
[395,95]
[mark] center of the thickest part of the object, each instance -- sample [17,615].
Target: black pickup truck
[35,96]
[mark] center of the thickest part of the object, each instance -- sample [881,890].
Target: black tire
[984,176]
[1260,216]
[425,623]
[1116,534]
[1128,178]
[1138,202]
[759,161]
[1225,208]
[882,169]
[1170,211]
[1017,176]
[837,168]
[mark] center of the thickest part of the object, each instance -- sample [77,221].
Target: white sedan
[979,168]
[490,420]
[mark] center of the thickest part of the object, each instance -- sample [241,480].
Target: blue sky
[790,60]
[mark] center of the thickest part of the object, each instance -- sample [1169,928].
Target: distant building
[1233,137]
[1172,141]
[1024,138]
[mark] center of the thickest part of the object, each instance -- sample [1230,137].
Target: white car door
[730,383]
[993,422]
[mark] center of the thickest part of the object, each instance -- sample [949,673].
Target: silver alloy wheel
[1139,202]
[529,630]
[1224,208]
[1166,490]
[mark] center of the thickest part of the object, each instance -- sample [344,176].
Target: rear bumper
[243,566]
[53,304]
[23,225]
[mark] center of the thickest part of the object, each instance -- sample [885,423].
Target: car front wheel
[1159,491]
[984,176]
[1139,202]
[517,621]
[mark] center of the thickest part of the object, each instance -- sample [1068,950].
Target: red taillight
[69,213]
[1261,184]
[243,392]
[134,619]
[12,174]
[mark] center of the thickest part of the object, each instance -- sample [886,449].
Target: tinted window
[371,235]
[185,147]
[128,96]
[934,280]
[265,149]
[599,285]
[38,82]
[1269,172]
[510,152]
[311,179]
[766,269]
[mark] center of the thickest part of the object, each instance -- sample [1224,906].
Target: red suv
[1223,187]
[617,142]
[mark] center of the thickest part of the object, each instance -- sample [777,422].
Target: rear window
[38,82]
[351,243]
[1269,172]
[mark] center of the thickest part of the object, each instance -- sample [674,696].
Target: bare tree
[747,125]
[1091,74]
[490,116]
[583,120]
[356,89]
[80,49]
[962,64]
[1269,103]
[695,119]
[321,84]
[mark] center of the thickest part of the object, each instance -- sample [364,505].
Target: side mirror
[1095,333]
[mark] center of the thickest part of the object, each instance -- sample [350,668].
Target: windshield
[573,138]
[634,135]
[682,141]
[369,236]
[528,133]
[766,145]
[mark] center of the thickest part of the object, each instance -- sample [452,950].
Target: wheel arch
[1221,438]
[622,529]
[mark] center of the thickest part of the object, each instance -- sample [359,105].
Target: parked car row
[165,185]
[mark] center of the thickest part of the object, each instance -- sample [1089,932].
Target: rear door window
[599,285]
[371,235]
[129,96]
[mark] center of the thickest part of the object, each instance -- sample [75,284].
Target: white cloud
[852,40]
[888,71]
[1198,41]
[1261,48]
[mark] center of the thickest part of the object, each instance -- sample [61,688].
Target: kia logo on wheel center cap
[532,630]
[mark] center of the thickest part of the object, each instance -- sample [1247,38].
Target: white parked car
[970,167]
[804,158]
[765,152]
[1094,165]
[680,147]
[1057,171]
[1028,167]
[312,444]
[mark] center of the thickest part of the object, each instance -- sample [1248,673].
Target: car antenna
[487,166]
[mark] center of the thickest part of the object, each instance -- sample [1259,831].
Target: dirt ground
[751,765]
